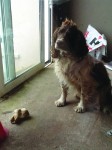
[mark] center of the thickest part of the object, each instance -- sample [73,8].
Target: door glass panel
[25,23]
[6,39]
[24,34]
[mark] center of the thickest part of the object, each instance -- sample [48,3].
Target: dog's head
[68,38]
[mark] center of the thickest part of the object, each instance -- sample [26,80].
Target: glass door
[26,39]
[6,36]
[22,34]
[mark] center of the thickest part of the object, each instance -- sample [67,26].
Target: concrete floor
[52,128]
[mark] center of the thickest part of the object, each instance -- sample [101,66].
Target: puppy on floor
[75,67]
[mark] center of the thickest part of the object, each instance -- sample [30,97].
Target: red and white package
[94,39]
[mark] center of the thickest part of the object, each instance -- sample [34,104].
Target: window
[22,39]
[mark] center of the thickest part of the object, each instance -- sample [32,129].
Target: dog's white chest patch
[61,69]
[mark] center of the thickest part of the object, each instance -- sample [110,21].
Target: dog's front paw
[59,103]
[79,109]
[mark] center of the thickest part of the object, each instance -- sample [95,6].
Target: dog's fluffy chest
[61,66]
[64,70]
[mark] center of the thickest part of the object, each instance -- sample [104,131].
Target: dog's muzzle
[59,43]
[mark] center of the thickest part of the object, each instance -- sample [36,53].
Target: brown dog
[75,67]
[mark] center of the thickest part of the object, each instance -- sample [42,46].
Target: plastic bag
[94,39]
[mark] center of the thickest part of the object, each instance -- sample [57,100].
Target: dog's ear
[54,52]
[83,49]
[55,35]
[78,43]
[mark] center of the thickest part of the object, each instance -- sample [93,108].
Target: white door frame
[4,88]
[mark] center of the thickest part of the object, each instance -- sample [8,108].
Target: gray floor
[52,128]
